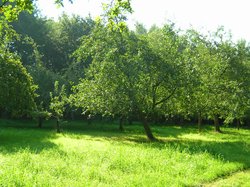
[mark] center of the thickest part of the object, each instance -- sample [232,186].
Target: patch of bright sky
[203,15]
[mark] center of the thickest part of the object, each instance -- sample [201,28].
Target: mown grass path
[237,179]
[100,155]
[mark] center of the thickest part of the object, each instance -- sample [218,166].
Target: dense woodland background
[80,68]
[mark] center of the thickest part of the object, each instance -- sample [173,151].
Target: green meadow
[98,154]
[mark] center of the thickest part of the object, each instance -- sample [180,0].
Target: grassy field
[239,179]
[100,155]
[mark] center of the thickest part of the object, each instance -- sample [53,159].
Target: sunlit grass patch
[239,179]
[93,157]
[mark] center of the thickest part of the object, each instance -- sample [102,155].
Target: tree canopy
[160,74]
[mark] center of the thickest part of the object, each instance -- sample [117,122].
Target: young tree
[40,114]
[57,103]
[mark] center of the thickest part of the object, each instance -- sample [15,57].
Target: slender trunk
[121,121]
[72,115]
[148,131]
[130,121]
[199,121]
[40,122]
[58,130]
[89,119]
[238,124]
[216,124]
[181,120]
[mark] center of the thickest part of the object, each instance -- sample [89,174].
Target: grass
[100,155]
[239,179]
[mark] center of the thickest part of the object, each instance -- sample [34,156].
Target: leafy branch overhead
[10,9]
[115,14]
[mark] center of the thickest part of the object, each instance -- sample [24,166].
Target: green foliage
[162,73]
[58,100]
[63,38]
[18,95]
[55,41]
[115,14]
[127,75]
[17,88]
[46,46]
[41,114]
[33,33]
[214,87]
[10,9]
[140,28]
[105,88]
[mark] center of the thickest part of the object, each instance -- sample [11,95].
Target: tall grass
[100,155]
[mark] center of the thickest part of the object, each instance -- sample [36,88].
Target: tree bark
[72,115]
[216,124]
[148,131]
[58,130]
[121,121]
[40,122]
[130,121]
[238,124]
[199,121]
[181,120]
[89,119]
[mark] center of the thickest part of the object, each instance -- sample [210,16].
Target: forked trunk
[148,131]
[217,124]
[199,121]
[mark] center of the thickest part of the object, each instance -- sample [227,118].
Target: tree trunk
[199,121]
[130,121]
[148,131]
[40,122]
[181,120]
[238,124]
[89,119]
[58,130]
[72,115]
[216,124]
[121,121]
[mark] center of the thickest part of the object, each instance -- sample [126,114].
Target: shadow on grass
[236,133]
[14,140]
[36,140]
[228,147]
[236,151]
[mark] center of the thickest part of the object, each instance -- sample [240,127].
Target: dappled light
[88,151]
[92,101]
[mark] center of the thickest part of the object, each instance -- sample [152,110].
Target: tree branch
[4,3]
[166,98]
